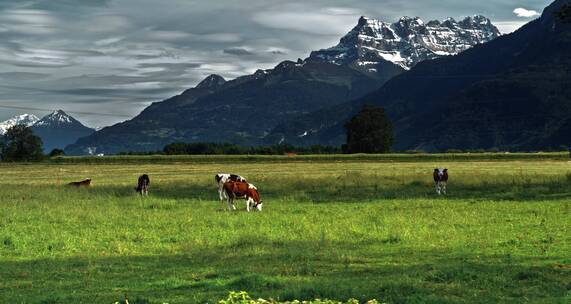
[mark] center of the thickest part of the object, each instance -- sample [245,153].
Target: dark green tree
[565,13]
[20,144]
[370,131]
[177,148]
[56,152]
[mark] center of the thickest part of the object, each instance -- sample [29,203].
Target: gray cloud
[277,51]
[118,56]
[36,63]
[294,17]
[22,76]
[135,93]
[60,5]
[238,51]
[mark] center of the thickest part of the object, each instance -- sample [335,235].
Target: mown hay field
[335,228]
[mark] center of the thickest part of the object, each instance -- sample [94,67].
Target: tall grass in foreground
[338,230]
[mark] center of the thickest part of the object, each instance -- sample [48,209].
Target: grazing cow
[143,185]
[242,190]
[83,183]
[440,180]
[222,178]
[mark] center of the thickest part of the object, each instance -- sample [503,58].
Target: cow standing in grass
[243,190]
[440,180]
[222,178]
[143,185]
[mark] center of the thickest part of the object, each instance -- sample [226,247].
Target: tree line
[369,131]
[181,148]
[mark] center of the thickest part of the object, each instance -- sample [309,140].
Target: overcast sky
[117,56]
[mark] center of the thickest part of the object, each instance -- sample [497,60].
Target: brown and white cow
[243,190]
[83,183]
[440,180]
[222,178]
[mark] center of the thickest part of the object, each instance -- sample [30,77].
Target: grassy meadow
[332,227]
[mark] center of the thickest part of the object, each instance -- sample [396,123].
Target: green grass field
[337,227]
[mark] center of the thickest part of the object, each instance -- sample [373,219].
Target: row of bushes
[181,148]
[231,149]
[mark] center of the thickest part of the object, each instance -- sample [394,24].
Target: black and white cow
[440,180]
[222,178]
[143,184]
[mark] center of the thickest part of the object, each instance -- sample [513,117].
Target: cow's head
[439,174]
[255,205]
[259,206]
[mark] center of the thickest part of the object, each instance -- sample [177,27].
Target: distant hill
[245,110]
[511,93]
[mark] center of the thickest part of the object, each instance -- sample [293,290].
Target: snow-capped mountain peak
[55,119]
[407,41]
[24,119]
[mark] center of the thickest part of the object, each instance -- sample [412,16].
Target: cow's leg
[437,187]
[220,190]
[444,184]
[231,197]
[229,202]
[248,200]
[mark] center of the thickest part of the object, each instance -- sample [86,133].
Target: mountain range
[512,93]
[57,129]
[406,42]
[24,119]
[245,110]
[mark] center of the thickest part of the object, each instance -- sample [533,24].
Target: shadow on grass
[287,271]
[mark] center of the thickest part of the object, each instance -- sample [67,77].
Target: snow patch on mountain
[407,41]
[24,119]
